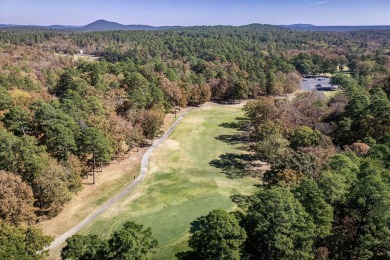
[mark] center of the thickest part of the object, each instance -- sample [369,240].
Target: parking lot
[321,84]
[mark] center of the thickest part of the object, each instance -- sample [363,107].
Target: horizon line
[309,24]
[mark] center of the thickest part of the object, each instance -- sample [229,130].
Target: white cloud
[320,3]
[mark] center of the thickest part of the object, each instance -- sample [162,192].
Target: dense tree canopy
[278,227]
[21,243]
[217,236]
[129,242]
[16,199]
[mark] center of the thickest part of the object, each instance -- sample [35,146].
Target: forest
[326,196]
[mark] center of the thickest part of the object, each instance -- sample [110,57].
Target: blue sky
[196,12]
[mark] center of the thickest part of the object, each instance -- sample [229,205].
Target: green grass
[181,186]
[110,191]
[330,94]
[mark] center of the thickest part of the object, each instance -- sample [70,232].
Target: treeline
[24,35]
[129,242]
[49,142]
[256,54]
[327,194]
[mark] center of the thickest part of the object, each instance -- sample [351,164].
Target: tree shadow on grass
[190,254]
[233,165]
[233,139]
[242,118]
[237,165]
[242,124]
[187,255]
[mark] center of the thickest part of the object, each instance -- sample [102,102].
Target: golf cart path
[144,169]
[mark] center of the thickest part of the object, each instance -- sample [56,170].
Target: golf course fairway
[181,185]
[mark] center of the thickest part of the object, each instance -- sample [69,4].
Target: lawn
[181,184]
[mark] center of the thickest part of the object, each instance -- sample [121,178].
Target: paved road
[144,169]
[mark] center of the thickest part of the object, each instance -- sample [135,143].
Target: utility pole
[93,170]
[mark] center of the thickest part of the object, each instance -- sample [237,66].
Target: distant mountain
[52,27]
[259,25]
[62,27]
[99,25]
[341,28]
[103,25]
[5,25]
[300,25]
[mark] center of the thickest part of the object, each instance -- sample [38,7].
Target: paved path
[144,168]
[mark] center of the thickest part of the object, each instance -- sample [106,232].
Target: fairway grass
[181,185]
